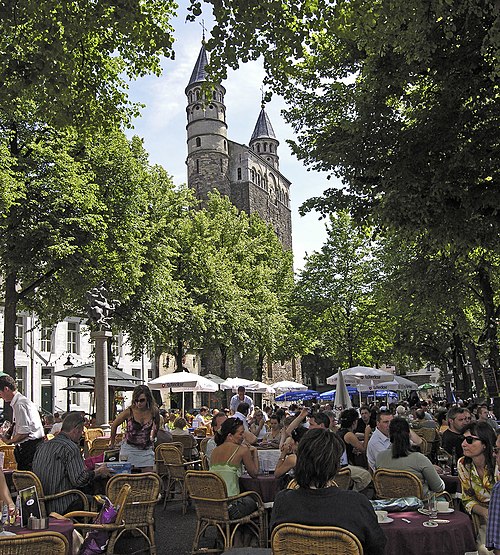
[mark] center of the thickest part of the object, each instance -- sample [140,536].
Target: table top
[64,527]
[413,538]
[266,485]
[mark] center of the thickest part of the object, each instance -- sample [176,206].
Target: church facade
[248,175]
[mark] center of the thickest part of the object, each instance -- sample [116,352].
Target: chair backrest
[173,460]
[188,443]
[24,479]
[297,539]
[100,441]
[203,444]
[33,544]
[292,484]
[97,450]
[93,433]
[209,494]
[205,463]
[343,478]
[141,499]
[9,461]
[396,483]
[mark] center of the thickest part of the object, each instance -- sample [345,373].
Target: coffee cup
[442,506]
[381,515]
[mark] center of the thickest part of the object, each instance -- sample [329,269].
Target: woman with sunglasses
[143,422]
[477,467]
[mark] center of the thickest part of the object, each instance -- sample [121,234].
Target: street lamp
[67,365]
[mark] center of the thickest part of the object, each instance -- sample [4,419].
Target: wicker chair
[140,505]
[343,478]
[177,468]
[89,435]
[396,483]
[9,461]
[189,444]
[297,539]
[209,494]
[115,529]
[24,479]
[34,544]
[203,444]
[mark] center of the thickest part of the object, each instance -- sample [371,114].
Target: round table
[454,538]
[265,485]
[451,483]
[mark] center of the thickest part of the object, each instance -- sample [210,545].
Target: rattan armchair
[115,530]
[297,539]
[34,544]
[24,479]
[203,444]
[189,444]
[9,461]
[139,508]
[396,483]
[209,494]
[176,472]
[343,478]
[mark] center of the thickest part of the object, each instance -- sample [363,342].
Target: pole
[101,377]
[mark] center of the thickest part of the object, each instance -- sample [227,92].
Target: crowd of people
[315,442]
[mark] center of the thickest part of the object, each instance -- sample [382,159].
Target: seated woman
[319,502]
[400,456]
[476,468]
[258,425]
[273,437]
[226,460]
[285,467]
[348,423]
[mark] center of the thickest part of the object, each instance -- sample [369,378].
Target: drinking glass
[432,506]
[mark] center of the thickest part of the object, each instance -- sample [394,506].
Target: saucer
[386,520]
[430,524]
[448,511]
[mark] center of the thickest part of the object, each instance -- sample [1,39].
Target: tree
[335,300]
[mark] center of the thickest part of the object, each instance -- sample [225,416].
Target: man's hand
[103,471]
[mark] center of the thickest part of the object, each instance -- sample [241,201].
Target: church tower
[208,159]
[264,140]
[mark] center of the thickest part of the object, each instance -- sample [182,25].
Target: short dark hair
[241,388]
[218,415]
[381,413]
[298,433]
[321,418]
[72,421]
[8,381]
[318,458]
[454,412]
[243,408]
[348,417]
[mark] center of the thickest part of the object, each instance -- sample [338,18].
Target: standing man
[59,465]
[458,418]
[27,429]
[240,397]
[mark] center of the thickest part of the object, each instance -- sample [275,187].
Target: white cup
[442,506]
[381,515]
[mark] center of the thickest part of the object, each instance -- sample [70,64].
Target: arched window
[197,166]
[239,173]
[225,145]
[197,92]
[270,148]
[258,147]
[198,141]
[265,147]
[252,175]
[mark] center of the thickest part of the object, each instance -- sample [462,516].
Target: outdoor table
[64,527]
[454,538]
[265,485]
[452,484]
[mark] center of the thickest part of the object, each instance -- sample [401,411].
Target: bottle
[453,464]
[18,511]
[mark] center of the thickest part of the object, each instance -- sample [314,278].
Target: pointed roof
[263,128]
[199,73]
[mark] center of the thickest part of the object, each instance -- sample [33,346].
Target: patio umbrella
[342,399]
[214,378]
[298,395]
[398,383]
[122,385]
[234,383]
[287,385]
[428,386]
[180,382]
[330,395]
[88,371]
[260,387]
[361,375]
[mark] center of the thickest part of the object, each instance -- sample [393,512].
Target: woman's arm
[296,422]
[430,474]
[351,439]
[285,464]
[250,459]
[469,499]
[116,422]
[5,496]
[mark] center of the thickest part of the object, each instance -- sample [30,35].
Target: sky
[162,126]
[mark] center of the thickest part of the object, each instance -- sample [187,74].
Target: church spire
[199,74]
[264,140]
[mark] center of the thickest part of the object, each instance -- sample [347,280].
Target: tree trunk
[179,354]
[490,334]
[223,353]
[10,318]
[461,373]
[476,366]
[260,366]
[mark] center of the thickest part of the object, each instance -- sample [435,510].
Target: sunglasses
[471,439]
[143,400]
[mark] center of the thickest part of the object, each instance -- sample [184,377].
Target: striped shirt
[59,465]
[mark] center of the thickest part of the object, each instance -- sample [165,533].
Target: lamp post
[67,365]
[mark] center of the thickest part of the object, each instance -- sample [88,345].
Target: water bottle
[453,464]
